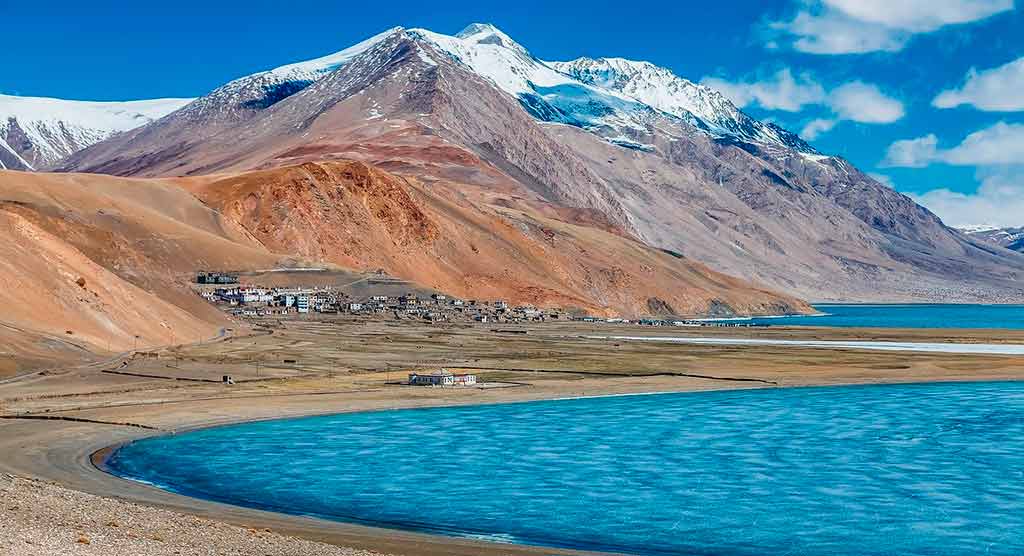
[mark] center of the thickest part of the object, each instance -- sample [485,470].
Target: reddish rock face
[111,256]
[359,216]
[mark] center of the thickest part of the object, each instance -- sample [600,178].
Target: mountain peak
[478,29]
[485,33]
[331,62]
[665,91]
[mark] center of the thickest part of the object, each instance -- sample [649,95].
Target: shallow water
[911,469]
[908,316]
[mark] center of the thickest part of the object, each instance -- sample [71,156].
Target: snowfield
[57,128]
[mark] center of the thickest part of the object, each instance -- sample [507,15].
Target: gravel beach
[39,518]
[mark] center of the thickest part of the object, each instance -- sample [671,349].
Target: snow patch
[978,228]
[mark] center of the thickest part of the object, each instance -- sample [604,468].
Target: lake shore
[71,455]
[110,409]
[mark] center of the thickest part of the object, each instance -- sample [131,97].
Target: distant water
[908,316]
[868,471]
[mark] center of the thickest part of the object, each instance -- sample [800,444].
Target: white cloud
[999,201]
[859,26]
[835,33]
[999,144]
[920,16]
[781,91]
[996,89]
[855,101]
[863,102]
[883,179]
[912,153]
[814,128]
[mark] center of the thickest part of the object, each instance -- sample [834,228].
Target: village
[251,301]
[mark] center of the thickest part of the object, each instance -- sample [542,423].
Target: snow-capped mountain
[620,100]
[662,90]
[1010,238]
[37,132]
[546,93]
[615,97]
[477,113]
[264,89]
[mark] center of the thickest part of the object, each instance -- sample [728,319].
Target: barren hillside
[109,258]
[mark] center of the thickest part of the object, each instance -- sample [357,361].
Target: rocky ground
[42,519]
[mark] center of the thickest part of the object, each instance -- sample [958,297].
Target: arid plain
[57,423]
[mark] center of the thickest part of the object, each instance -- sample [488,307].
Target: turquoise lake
[908,316]
[931,469]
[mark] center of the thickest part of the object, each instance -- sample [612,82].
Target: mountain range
[1010,238]
[37,133]
[608,152]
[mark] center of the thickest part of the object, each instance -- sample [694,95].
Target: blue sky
[863,78]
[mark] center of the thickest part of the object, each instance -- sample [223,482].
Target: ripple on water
[910,469]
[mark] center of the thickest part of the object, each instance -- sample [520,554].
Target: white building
[442,378]
[302,303]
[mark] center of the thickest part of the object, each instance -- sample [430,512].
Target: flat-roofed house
[442,378]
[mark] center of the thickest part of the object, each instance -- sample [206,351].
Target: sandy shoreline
[75,459]
[543,367]
[75,454]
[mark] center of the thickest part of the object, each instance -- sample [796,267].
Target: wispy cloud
[999,200]
[998,89]
[860,26]
[781,91]
[883,179]
[912,153]
[999,144]
[854,101]
[865,103]
[997,153]
[814,128]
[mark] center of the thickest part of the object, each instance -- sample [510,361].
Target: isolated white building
[442,378]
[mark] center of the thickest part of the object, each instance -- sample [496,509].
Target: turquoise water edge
[925,469]
[905,316]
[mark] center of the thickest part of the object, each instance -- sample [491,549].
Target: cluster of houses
[254,301]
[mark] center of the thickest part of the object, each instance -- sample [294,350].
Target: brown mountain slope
[106,259]
[355,215]
[812,226]
[96,260]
